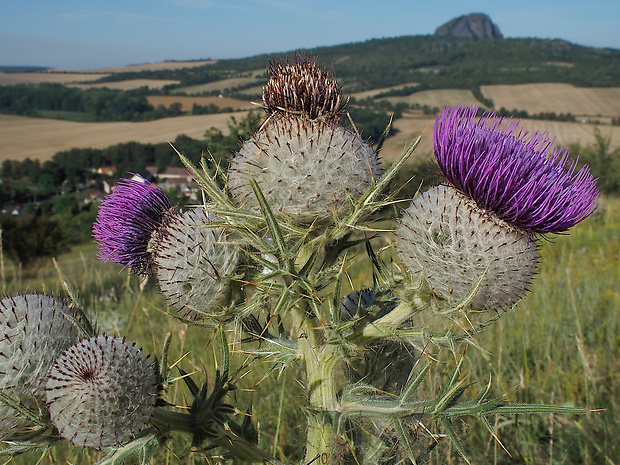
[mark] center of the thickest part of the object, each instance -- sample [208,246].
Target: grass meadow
[560,345]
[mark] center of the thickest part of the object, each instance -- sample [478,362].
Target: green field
[560,345]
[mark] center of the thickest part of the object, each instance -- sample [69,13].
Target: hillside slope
[436,62]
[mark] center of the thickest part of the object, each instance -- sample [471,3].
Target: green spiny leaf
[140,447]
[414,383]
[206,183]
[22,409]
[456,442]
[520,409]
[189,382]
[163,365]
[404,439]
[272,223]
[385,134]
[225,354]
[361,207]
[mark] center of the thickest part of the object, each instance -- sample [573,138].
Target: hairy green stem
[322,368]
[386,325]
[322,363]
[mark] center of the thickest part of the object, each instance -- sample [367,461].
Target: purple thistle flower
[127,220]
[517,176]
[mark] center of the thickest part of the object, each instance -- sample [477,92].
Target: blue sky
[91,34]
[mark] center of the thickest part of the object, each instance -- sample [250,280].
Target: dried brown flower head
[302,88]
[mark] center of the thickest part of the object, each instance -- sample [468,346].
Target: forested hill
[436,62]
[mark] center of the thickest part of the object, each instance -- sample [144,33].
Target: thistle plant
[267,260]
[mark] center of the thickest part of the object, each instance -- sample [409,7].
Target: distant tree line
[190,76]
[397,108]
[544,115]
[102,104]
[58,101]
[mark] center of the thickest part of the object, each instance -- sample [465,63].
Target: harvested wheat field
[70,76]
[9,79]
[39,138]
[164,65]
[373,92]
[554,97]
[188,102]
[438,98]
[407,129]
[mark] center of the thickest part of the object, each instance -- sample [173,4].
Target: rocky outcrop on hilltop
[472,26]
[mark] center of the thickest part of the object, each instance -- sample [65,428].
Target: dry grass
[39,138]
[559,98]
[188,102]
[407,129]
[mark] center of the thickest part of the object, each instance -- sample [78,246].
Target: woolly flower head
[307,165]
[302,88]
[129,219]
[101,392]
[196,265]
[306,169]
[34,329]
[444,237]
[516,176]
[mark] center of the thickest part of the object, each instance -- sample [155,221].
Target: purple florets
[127,220]
[518,177]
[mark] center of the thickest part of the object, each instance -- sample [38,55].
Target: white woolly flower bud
[445,236]
[306,168]
[34,330]
[196,265]
[101,392]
